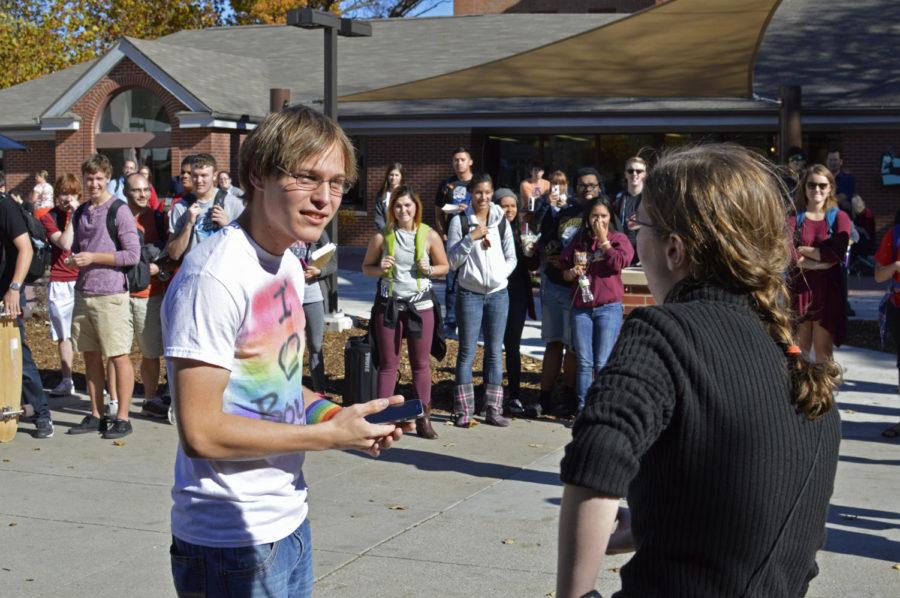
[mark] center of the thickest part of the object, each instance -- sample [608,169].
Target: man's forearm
[178,244]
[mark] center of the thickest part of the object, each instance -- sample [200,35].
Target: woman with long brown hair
[405,256]
[722,435]
[821,233]
[394,177]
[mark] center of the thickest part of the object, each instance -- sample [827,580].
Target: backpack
[40,243]
[421,242]
[831,215]
[137,277]
[883,305]
[464,225]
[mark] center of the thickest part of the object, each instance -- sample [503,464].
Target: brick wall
[20,166]
[470,7]
[862,158]
[426,161]
[73,147]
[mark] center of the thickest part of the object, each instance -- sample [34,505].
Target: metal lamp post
[333,26]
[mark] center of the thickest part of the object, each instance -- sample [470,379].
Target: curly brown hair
[726,204]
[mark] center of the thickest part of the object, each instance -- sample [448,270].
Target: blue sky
[443,9]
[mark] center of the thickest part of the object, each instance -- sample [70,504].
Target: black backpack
[40,243]
[137,277]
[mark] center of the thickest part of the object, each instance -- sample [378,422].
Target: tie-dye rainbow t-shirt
[235,306]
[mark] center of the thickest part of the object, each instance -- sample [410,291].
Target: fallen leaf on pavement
[397,507]
[897,567]
[535,445]
[614,570]
[509,541]
[13,524]
[118,443]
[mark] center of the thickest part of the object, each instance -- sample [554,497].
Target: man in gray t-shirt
[202,213]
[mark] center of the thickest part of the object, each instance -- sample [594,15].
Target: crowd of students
[713,393]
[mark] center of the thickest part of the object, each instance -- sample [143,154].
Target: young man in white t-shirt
[233,331]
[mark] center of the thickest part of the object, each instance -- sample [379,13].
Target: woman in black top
[707,417]
[393,179]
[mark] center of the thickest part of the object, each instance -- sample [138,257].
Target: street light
[307,18]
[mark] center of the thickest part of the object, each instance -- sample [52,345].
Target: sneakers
[44,428]
[514,407]
[117,428]
[156,407]
[64,388]
[88,424]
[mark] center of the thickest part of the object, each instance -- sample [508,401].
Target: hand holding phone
[396,414]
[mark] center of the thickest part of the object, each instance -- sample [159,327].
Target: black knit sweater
[692,420]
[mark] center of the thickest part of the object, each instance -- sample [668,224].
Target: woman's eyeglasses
[813,186]
[633,224]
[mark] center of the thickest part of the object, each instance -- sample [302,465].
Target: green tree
[38,37]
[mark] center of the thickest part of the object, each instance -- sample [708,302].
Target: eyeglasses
[588,185]
[633,224]
[813,186]
[308,182]
[634,171]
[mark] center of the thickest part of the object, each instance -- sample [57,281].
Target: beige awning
[683,48]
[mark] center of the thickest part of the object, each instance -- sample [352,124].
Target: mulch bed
[860,333]
[47,359]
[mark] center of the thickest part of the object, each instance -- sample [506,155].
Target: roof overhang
[213,120]
[122,49]
[682,48]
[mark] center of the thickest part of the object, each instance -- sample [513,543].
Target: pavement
[473,513]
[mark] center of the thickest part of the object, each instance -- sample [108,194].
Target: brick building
[194,91]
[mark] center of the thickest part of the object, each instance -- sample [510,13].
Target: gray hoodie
[481,270]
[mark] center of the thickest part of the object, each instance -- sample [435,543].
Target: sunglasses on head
[634,170]
[811,185]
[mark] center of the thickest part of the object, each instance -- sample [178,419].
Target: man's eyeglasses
[588,185]
[813,186]
[308,182]
[634,171]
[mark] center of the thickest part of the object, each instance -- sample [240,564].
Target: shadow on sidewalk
[859,543]
[428,461]
[867,387]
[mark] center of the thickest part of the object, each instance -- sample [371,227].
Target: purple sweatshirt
[91,235]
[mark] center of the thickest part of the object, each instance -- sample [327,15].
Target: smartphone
[396,414]
[554,189]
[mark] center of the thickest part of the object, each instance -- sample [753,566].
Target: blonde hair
[286,139]
[726,205]
[636,160]
[800,194]
[403,191]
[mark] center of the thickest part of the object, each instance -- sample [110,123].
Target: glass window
[134,110]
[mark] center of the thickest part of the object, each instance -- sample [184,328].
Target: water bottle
[584,285]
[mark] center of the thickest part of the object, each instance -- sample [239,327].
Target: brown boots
[423,425]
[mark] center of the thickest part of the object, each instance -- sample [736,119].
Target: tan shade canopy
[683,48]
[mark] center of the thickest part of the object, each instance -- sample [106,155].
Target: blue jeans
[594,333]
[450,301]
[471,310]
[32,387]
[283,568]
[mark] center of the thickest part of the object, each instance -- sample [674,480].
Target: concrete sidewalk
[473,513]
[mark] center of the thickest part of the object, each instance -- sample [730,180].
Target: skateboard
[11,407]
